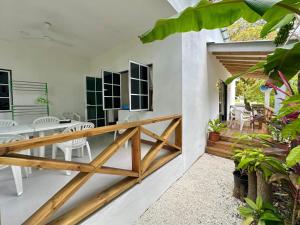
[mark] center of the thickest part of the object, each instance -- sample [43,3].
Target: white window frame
[120,96]
[129,84]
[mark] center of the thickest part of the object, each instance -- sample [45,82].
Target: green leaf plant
[216,126]
[260,213]
[253,159]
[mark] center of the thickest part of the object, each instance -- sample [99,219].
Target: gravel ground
[202,196]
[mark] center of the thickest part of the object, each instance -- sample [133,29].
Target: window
[112,90]
[94,105]
[138,86]
[5,90]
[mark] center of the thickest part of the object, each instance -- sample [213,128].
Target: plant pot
[240,189]
[244,186]
[237,184]
[214,136]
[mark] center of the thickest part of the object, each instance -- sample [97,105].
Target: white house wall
[199,93]
[167,93]
[63,73]
[217,72]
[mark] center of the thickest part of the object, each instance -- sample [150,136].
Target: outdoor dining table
[28,129]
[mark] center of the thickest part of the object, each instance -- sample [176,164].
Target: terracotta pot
[214,136]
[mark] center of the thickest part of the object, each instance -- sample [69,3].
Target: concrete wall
[217,72]
[166,58]
[63,73]
[200,73]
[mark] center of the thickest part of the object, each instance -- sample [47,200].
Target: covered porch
[241,117]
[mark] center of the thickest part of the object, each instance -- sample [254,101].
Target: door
[94,105]
[223,100]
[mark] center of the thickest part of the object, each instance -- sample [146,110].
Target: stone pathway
[202,196]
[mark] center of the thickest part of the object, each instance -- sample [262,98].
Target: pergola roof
[238,57]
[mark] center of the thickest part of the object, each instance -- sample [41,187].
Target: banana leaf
[208,15]
[205,15]
[284,59]
[294,157]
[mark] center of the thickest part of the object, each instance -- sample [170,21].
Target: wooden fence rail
[141,167]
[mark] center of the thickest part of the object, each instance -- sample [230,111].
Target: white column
[279,98]
[267,98]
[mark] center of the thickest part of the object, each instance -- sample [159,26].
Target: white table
[28,129]
[42,128]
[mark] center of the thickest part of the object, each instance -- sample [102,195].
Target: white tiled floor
[42,184]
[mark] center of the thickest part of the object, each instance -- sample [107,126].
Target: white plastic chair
[72,116]
[232,117]
[121,132]
[16,170]
[41,121]
[68,146]
[8,123]
[130,118]
[46,119]
[246,116]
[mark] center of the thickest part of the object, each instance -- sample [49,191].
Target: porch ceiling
[238,57]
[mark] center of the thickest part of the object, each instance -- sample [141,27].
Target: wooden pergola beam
[238,58]
[238,62]
[264,53]
[238,67]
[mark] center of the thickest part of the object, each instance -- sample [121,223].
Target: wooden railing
[141,167]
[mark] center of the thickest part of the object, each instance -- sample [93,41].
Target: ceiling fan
[47,34]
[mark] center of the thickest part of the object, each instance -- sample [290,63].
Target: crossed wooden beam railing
[141,167]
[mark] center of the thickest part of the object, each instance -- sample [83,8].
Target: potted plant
[259,212]
[215,128]
[259,168]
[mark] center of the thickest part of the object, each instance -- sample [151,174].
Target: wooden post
[178,135]
[136,153]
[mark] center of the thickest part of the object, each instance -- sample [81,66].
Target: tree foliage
[244,31]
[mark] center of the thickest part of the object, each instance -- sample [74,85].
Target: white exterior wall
[200,73]
[216,71]
[63,73]
[167,84]
[166,59]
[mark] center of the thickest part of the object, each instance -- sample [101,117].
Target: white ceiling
[91,26]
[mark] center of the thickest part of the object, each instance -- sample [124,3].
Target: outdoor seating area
[255,117]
